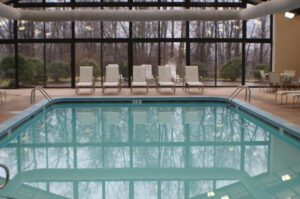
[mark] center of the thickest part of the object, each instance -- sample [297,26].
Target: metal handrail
[5,168]
[238,90]
[43,92]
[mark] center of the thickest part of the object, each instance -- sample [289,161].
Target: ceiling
[297,11]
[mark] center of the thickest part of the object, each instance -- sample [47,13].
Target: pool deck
[19,99]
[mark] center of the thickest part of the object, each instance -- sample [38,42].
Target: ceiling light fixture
[22,28]
[89,28]
[225,197]
[210,194]
[286,177]
[289,15]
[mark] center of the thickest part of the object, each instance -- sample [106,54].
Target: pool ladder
[43,92]
[6,170]
[238,90]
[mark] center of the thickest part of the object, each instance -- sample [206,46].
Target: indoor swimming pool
[144,149]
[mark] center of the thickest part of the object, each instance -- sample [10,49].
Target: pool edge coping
[282,125]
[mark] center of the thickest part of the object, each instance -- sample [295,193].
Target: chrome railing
[43,92]
[6,170]
[238,90]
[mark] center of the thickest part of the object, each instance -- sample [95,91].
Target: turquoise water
[119,151]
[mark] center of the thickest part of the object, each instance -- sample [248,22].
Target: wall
[286,44]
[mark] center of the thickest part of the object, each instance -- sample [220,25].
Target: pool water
[151,150]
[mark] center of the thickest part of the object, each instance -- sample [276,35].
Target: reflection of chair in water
[142,130]
[87,126]
[112,123]
[190,116]
[194,123]
[167,124]
[86,117]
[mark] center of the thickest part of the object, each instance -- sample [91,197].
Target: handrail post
[43,92]
[238,90]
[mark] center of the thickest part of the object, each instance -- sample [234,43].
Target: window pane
[88,29]
[203,1]
[7,66]
[115,29]
[230,1]
[58,29]
[259,28]
[172,29]
[229,29]
[30,1]
[89,54]
[57,1]
[257,58]
[145,53]
[202,29]
[58,64]
[30,30]
[6,28]
[174,54]
[31,64]
[203,56]
[88,0]
[229,64]
[145,29]
[117,53]
[145,0]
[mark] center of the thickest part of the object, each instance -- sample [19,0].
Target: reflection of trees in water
[71,138]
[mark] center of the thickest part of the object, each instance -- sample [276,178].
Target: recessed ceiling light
[2,22]
[37,32]
[210,194]
[285,178]
[22,28]
[225,197]
[289,15]
[89,28]
[257,22]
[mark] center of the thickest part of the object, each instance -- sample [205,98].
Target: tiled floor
[19,99]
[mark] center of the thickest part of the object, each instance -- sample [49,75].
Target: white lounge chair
[286,94]
[296,98]
[86,79]
[164,78]
[275,80]
[263,78]
[149,75]
[112,78]
[139,78]
[192,78]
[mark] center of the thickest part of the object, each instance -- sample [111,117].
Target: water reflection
[128,151]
